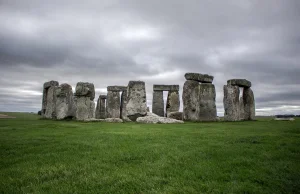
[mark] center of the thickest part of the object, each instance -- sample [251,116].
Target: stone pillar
[123,106]
[190,99]
[249,104]
[65,107]
[173,102]
[207,96]
[46,87]
[231,103]
[113,104]
[158,103]
[50,108]
[137,103]
[101,110]
[84,96]
[242,112]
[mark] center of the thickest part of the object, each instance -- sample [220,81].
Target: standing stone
[46,86]
[231,103]
[65,107]
[207,96]
[137,104]
[101,110]
[158,103]
[242,111]
[191,102]
[249,104]
[50,112]
[124,99]
[173,102]
[84,96]
[113,104]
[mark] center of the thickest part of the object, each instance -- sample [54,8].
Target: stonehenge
[173,101]
[238,108]
[128,103]
[199,98]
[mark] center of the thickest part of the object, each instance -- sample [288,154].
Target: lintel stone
[203,78]
[239,82]
[116,88]
[166,87]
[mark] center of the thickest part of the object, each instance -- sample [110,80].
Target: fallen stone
[137,104]
[284,119]
[116,88]
[113,104]
[239,82]
[93,120]
[113,120]
[231,103]
[175,115]
[203,78]
[157,120]
[165,87]
[249,104]
[152,114]
[207,97]
[85,89]
[158,103]
[65,106]
[191,102]
[173,102]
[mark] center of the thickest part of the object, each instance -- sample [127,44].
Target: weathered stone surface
[65,106]
[137,105]
[239,82]
[124,100]
[152,114]
[165,87]
[148,109]
[242,111]
[85,89]
[191,102]
[173,102]
[46,86]
[156,120]
[158,103]
[203,78]
[249,104]
[116,88]
[207,97]
[284,119]
[50,112]
[113,104]
[50,83]
[231,103]
[100,109]
[85,108]
[113,120]
[175,115]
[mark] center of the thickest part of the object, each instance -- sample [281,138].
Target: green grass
[44,156]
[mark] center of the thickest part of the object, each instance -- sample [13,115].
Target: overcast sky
[109,42]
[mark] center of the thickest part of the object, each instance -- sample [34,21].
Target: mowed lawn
[44,156]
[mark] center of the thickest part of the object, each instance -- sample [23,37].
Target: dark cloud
[110,42]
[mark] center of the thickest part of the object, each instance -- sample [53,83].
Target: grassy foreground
[43,156]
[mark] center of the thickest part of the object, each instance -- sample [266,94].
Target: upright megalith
[158,103]
[207,95]
[101,107]
[249,104]
[48,100]
[113,101]
[231,103]
[238,108]
[50,108]
[65,107]
[199,98]
[124,100]
[136,100]
[173,101]
[84,100]
[191,102]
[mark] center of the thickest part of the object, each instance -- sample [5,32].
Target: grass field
[44,156]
